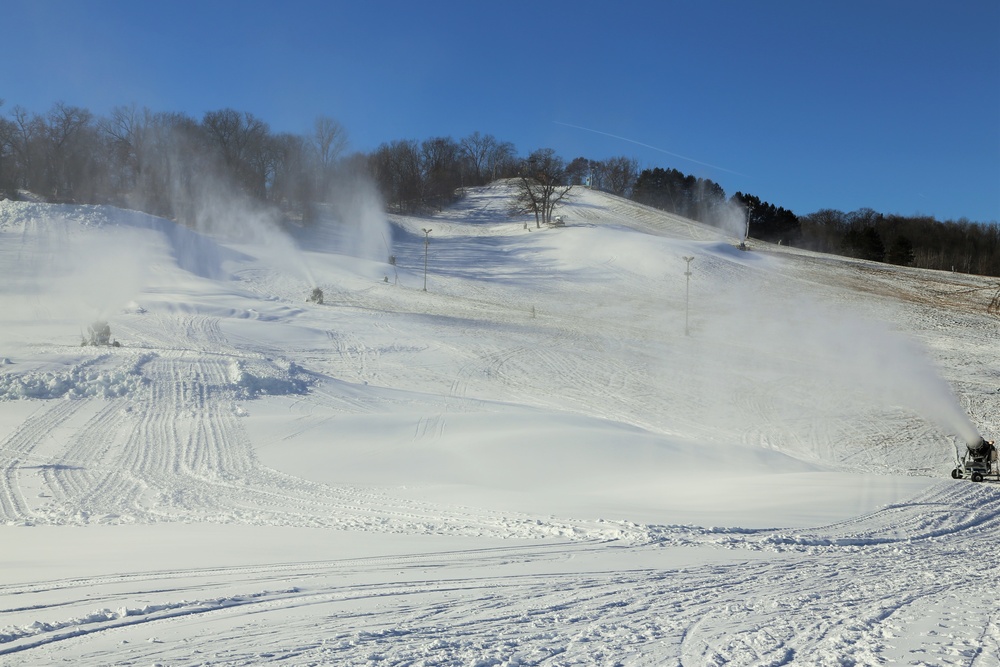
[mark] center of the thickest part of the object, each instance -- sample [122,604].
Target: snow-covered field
[529,463]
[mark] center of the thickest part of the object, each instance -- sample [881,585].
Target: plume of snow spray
[893,367]
[238,219]
[805,361]
[732,219]
[357,220]
[82,264]
[862,355]
[353,223]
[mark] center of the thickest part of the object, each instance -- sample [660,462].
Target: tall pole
[687,296]
[427,242]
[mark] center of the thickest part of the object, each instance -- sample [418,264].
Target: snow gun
[978,462]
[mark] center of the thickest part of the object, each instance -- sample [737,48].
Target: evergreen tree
[768,222]
[900,252]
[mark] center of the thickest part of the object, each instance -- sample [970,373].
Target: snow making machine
[978,463]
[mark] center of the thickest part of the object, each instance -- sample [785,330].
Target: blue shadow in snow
[494,258]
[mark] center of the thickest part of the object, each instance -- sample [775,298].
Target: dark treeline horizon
[168,164]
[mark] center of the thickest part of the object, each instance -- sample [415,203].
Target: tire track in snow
[84,461]
[832,610]
[180,453]
[16,449]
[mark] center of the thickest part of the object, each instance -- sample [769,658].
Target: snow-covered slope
[747,465]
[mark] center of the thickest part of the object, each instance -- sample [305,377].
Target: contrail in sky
[639,143]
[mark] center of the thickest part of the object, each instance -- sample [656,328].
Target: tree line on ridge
[164,164]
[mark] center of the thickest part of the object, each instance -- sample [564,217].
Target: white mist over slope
[528,463]
[831,346]
[354,223]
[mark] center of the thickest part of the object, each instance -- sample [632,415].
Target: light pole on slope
[427,242]
[687,296]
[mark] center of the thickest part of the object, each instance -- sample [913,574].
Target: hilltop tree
[243,144]
[70,151]
[7,184]
[900,251]
[395,166]
[578,171]
[297,176]
[475,150]
[768,222]
[126,134]
[165,163]
[864,244]
[824,230]
[486,158]
[619,174]
[862,239]
[669,189]
[542,184]
[26,141]
[328,140]
[441,168]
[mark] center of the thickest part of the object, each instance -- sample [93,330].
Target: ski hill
[565,450]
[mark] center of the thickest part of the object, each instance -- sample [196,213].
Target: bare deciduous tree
[126,134]
[488,159]
[441,168]
[618,175]
[69,151]
[329,140]
[542,184]
[242,140]
[293,187]
[7,172]
[395,167]
[476,149]
[502,161]
[27,147]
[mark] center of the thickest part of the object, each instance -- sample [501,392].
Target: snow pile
[255,378]
[90,379]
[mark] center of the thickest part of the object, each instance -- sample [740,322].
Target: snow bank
[89,379]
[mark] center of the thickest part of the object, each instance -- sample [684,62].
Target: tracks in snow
[175,449]
[527,605]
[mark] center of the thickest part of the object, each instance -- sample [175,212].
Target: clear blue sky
[887,104]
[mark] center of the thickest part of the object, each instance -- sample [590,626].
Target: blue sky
[887,104]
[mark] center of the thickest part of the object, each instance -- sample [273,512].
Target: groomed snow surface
[564,452]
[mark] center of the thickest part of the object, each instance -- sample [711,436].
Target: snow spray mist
[838,347]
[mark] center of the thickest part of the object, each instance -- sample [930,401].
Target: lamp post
[427,242]
[687,296]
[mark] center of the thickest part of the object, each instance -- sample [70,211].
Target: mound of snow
[252,379]
[565,465]
[89,379]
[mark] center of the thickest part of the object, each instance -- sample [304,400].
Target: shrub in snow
[316,296]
